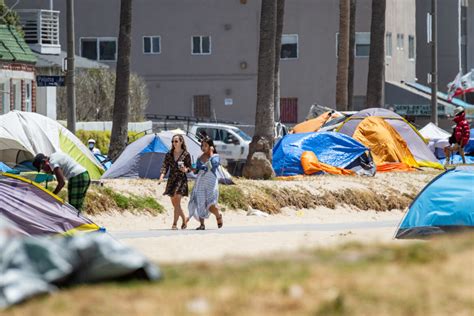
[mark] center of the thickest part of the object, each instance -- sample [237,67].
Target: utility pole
[434,62]
[70,78]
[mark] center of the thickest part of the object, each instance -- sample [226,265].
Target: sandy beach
[290,230]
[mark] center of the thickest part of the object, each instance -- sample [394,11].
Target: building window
[289,47]
[362,44]
[5,94]
[202,105]
[201,45]
[400,41]
[99,48]
[388,44]
[151,44]
[16,95]
[28,107]
[289,110]
[411,47]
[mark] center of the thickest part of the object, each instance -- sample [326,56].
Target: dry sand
[219,245]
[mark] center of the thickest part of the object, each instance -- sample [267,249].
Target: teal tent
[446,204]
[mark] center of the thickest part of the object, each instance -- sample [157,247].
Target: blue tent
[445,204]
[140,159]
[332,148]
[143,158]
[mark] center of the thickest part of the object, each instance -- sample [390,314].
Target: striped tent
[36,211]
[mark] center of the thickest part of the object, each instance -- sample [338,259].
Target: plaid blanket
[77,189]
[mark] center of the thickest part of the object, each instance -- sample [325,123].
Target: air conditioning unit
[41,28]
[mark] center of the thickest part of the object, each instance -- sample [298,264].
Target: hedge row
[102,138]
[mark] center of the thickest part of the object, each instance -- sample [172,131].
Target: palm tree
[376,76]
[120,116]
[352,35]
[279,31]
[343,56]
[262,141]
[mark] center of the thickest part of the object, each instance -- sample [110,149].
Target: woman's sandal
[201,227]
[174,227]
[184,226]
[219,221]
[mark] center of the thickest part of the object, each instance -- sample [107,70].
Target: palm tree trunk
[343,56]
[376,76]
[120,116]
[266,70]
[262,141]
[279,31]
[352,36]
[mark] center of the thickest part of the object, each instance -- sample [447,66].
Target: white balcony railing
[41,28]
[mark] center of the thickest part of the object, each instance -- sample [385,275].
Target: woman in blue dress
[205,193]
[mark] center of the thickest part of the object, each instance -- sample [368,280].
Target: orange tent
[311,165]
[315,124]
[385,143]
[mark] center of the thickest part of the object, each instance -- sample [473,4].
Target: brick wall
[33,96]
[23,95]
[19,67]
[12,96]
[23,82]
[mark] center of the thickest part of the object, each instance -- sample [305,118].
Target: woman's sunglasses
[175,141]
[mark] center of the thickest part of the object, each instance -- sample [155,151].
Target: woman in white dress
[205,193]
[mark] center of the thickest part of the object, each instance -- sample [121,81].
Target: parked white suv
[231,142]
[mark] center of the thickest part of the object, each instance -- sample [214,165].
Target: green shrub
[102,138]
[233,197]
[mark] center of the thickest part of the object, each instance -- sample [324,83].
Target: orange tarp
[313,125]
[394,166]
[311,165]
[386,145]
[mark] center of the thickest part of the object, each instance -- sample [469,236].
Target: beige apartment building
[199,58]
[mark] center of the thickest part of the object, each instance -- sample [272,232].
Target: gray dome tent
[143,158]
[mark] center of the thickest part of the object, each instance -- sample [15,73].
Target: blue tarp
[447,203]
[457,159]
[332,148]
[469,149]
[104,161]
[4,167]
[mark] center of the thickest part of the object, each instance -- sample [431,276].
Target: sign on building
[420,109]
[50,81]
[228,101]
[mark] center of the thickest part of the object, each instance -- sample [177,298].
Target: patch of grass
[272,199]
[232,196]
[421,278]
[367,200]
[101,199]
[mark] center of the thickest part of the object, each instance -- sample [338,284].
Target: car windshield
[242,134]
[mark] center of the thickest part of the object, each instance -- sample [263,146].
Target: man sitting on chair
[460,136]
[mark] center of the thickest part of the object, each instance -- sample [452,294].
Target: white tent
[437,137]
[25,134]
